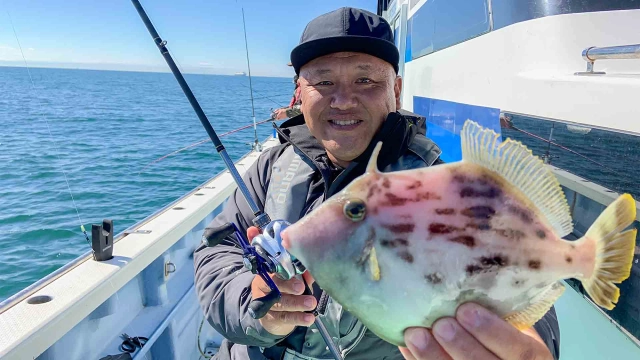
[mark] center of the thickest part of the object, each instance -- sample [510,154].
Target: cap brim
[310,50]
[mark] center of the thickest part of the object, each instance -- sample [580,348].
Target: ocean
[107,127]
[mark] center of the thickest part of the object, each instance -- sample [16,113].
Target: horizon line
[73,66]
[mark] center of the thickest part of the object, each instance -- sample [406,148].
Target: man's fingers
[289,318]
[406,353]
[423,346]
[498,336]
[291,286]
[295,303]
[459,344]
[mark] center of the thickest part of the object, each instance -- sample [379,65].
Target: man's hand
[475,333]
[280,114]
[288,313]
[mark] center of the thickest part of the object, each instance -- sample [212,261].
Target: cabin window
[507,12]
[604,157]
[593,167]
[439,24]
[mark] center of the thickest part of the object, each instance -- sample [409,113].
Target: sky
[204,37]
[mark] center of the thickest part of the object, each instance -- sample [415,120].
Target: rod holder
[102,240]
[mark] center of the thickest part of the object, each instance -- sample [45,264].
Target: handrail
[593,53]
[612,52]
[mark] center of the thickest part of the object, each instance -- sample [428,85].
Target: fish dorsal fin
[517,164]
[372,166]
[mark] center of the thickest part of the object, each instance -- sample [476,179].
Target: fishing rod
[197,143]
[261,219]
[256,143]
[265,254]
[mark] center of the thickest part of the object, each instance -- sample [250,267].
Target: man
[347,65]
[294,105]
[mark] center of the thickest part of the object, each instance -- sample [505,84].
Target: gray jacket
[288,181]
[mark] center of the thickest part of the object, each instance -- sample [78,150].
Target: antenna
[256,144]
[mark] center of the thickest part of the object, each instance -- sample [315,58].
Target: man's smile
[345,124]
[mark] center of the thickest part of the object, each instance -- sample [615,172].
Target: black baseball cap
[346,29]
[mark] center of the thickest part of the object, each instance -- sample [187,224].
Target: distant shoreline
[230,74]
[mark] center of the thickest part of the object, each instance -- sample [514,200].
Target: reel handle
[215,236]
[259,307]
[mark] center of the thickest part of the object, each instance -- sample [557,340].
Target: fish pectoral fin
[539,306]
[517,164]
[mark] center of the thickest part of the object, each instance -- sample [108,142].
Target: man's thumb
[252,232]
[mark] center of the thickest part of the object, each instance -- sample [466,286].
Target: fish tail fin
[614,251]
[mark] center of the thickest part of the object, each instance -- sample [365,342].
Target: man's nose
[343,98]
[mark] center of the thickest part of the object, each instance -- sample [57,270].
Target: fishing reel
[265,255]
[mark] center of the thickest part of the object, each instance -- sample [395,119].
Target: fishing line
[511,126]
[55,145]
[266,97]
[202,142]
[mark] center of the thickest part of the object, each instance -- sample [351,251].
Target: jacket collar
[397,133]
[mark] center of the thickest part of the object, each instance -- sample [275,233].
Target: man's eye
[365,80]
[324,83]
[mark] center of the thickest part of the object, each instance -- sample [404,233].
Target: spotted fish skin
[442,236]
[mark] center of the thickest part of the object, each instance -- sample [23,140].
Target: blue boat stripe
[446,118]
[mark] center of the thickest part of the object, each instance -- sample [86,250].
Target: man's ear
[397,88]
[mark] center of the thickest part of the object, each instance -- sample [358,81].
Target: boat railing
[135,228]
[593,53]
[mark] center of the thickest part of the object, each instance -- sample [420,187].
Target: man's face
[345,98]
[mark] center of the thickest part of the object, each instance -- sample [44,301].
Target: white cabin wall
[529,68]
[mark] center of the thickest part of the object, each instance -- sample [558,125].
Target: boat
[578,129]
[560,76]
[527,69]
[242,73]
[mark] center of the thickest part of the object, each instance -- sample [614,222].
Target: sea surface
[102,129]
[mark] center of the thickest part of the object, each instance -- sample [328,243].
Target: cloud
[31,49]
[206,64]
[9,53]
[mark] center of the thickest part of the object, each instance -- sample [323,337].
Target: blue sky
[203,36]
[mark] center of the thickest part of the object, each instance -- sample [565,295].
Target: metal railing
[593,53]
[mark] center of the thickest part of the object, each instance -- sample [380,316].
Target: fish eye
[354,209]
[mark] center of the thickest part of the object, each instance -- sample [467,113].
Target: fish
[405,248]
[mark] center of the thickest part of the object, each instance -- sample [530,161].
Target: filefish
[402,249]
